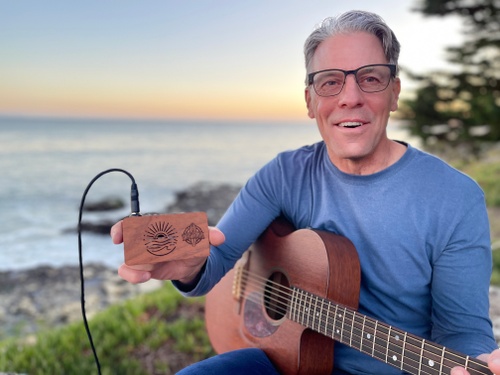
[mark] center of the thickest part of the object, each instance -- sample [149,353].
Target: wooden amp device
[159,238]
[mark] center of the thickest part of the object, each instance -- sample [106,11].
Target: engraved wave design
[160,238]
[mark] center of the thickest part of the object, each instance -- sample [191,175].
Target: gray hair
[349,22]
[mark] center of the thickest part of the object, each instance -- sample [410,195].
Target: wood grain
[160,238]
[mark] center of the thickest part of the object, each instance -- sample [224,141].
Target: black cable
[135,211]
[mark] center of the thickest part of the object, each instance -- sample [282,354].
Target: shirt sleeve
[460,286]
[253,210]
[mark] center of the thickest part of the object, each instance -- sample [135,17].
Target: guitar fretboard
[379,340]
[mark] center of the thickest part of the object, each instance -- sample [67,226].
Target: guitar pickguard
[255,318]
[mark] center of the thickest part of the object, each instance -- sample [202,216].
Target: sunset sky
[181,58]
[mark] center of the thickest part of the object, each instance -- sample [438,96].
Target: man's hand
[492,359]
[182,270]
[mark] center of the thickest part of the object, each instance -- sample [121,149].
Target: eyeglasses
[370,78]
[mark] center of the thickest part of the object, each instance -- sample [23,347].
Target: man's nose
[351,94]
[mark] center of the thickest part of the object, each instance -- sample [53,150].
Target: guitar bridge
[239,281]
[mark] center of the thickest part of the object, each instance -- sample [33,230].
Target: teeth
[350,124]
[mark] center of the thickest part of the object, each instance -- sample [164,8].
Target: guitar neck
[379,340]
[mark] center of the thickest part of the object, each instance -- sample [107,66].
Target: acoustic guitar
[294,292]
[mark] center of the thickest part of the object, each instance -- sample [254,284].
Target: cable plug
[134,200]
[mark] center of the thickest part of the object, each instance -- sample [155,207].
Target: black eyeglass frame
[310,76]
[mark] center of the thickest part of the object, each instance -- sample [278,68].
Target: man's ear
[308,98]
[396,89]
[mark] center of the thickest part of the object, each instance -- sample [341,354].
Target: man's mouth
[349,124]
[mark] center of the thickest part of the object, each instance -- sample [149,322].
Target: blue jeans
[251,361]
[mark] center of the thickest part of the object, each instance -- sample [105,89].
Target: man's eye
[371,79]
[331,82]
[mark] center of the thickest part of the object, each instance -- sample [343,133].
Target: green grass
[487,174]
[121,333]
[495,276]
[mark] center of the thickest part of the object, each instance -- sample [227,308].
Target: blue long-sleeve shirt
[420,228]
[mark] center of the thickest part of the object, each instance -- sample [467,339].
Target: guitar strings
[257,300]
[353,319]
[283,312]
[278,298]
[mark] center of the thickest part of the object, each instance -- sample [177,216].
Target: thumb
[215,236]
[494,361]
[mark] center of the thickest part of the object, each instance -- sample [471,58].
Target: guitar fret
[374,338]
[403,351]
[362,334]
[293,305]
[342,327]
[290,308]
[368,336]
[321,316]
[431,357]
[304,310]
[474,366]
[323,311]
[299,308]
[335,329]
[421,356]
[310,310]
[306,315]
[387,346]
[296,305]
[316,314]
[307,309]
[412,358]
[442,359]
[327,319]
[352,327]
[396,345]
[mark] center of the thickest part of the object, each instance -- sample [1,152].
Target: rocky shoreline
[46,297]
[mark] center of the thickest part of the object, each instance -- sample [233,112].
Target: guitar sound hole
[277,296]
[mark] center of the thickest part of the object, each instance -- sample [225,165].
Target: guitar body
[319,262]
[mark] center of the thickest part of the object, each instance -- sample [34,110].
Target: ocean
[46,164]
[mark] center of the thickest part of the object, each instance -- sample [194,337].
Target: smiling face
[353,123]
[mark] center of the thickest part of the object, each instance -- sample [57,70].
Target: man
[420,227]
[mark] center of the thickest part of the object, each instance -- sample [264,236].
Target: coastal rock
[48,297]
[106,204]
[212,198]
[495,311]
[100,227]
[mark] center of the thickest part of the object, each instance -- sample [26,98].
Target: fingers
[458,371]
[116,233]
[215,236]
[494,361]
[134,276]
